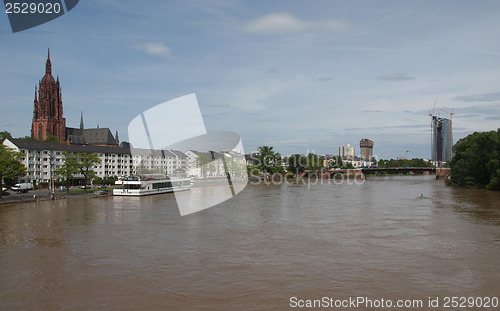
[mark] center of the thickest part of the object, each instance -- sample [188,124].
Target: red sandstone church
[48,116]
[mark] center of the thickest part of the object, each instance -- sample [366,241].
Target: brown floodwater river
[272,247]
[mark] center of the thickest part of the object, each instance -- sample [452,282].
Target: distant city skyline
[295,75]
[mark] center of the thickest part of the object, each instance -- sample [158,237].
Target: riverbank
[44,195]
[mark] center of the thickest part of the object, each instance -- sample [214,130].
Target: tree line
[476,161]
[404,163]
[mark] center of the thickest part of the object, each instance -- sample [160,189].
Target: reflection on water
[253,252]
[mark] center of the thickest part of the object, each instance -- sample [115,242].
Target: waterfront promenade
[43,194]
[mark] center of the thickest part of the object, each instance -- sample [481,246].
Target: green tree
[205,164]
[4,135]
[297,164]
[314,162]
[416,162]
[52,139]
[476,161]
[348,165]
[85,163]
[267,160]
[29,138]
[336,162]
[68,169]
[235,166]
[10,167]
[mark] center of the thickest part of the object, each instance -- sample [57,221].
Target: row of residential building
[42,159]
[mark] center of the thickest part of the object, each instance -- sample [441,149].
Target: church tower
[48,110]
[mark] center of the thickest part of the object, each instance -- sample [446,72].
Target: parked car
[85,187]
[4,191]
[101,187]
[63,188]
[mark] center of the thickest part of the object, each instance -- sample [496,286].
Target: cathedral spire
[48,65]
[47,108]
[81,121]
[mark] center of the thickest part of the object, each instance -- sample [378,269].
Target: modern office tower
[441,139]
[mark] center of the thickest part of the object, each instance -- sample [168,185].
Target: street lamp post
[51,177]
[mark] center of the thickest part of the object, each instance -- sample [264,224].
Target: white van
[22,187]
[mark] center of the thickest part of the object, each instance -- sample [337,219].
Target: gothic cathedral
[48,110]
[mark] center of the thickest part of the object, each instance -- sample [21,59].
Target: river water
[256,251]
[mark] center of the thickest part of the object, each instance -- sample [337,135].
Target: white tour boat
[145,185]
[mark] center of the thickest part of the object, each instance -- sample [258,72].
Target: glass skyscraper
[442,139]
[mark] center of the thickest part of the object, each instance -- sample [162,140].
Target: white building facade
[42,159]
[346,152]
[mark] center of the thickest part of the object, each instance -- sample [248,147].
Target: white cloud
[286,23]
[155,48]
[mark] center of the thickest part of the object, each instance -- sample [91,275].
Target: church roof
[95,136]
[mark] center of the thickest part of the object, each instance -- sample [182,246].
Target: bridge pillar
[442,173]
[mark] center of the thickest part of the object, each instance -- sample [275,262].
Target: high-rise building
[441,139]
[366,149]
[346,152]
[48,110]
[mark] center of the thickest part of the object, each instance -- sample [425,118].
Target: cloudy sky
[297,75]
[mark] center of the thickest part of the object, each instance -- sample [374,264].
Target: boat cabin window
[162,185]
[129,186]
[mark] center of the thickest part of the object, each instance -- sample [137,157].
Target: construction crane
[450,113]
[451,129]
[431,112]
[407,154]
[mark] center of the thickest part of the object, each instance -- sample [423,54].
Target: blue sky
[297,75]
